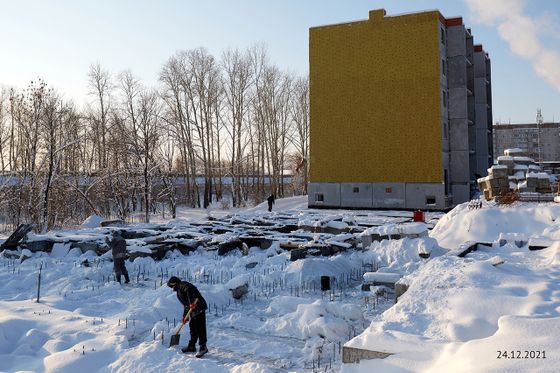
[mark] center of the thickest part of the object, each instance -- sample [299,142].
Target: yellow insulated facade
[375,97]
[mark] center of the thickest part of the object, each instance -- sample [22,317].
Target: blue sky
[57,40]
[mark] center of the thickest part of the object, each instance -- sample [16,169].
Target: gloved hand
[192,306]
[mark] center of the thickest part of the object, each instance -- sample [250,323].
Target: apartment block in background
[400,112]
[540,142]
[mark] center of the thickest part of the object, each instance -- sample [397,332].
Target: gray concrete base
[424,196]
[354,355]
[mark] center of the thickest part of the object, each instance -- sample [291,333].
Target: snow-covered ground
[456,316]
[474,314]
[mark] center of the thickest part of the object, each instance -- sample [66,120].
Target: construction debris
[13,241]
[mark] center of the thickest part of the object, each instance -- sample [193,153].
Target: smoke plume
[522,33]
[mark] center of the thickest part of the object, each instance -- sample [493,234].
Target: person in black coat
[270,200]
[188,294]
[118,248]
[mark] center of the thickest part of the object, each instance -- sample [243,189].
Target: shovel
[176,337]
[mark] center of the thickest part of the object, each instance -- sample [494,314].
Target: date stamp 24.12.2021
[521,354]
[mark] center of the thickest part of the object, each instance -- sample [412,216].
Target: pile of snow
[93,221]
[486,224]
[416,228]
[403,256]
[462,314]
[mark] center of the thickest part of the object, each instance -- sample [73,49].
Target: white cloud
[521,32]
[490,11]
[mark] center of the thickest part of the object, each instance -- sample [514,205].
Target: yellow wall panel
[375,100]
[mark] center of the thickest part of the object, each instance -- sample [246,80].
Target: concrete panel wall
[445,160]
[482,143]
[330,192]
[481,118]
[456,45]
[459,165]
[458,103]
[479,65]
[379,195]
[356,195]
[417,194]
[389,195]
[480,91]
[471,108]
[483,112]
[458,132]
[461,193]
[457,72]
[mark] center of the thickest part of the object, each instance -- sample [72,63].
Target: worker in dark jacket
[118,247]
[270,200]
[192,300]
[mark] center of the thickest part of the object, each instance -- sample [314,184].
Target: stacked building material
[514,172]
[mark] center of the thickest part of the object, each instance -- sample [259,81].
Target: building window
[442,35]
[430,200]
[445,130]
[319,197]
[355,190]
[445,182]
[389,190]
[444,98]
[443,67]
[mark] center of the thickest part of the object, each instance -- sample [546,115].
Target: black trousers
[197,325]
[120,268]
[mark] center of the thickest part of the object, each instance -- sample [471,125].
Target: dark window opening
[430,200]
[388,190]
[442,36]
[319,197]
[445,182]
[355,190]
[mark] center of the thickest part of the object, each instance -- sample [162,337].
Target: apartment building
[540,142]
[400,112]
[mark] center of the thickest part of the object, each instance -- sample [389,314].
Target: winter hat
[173,281]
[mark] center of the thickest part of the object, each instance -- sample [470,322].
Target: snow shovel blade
[174,340]
[177,336]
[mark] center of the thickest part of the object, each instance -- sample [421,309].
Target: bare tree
[271,111]
[28,113]
[176,79]
[300,137]
[4,130]
[202,95]
[56,133]
[239,117]
[166,153]
[101,87]
[148,139]
[259,63]
[237,89]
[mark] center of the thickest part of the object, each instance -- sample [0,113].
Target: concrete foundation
[425,196]
[354,355]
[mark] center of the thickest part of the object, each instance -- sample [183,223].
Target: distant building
[400,112]
[527,137]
